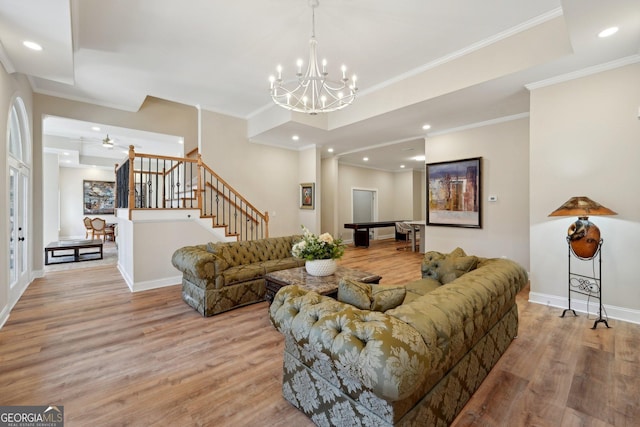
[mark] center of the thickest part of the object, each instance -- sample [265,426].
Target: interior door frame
[19,160]
[374,207]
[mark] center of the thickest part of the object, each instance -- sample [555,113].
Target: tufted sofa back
[233,254]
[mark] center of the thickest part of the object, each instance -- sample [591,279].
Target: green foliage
[313,247]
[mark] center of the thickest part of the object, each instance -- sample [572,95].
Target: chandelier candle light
[313,92]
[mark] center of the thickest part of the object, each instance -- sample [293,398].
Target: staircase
[146,181]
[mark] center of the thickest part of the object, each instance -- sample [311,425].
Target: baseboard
[4,316]
[159,283]
[6,311]
[582,306]
[127,279]
[149,284]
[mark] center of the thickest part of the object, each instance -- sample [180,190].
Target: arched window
[19,132]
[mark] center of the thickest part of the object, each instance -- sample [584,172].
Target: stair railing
[147,181]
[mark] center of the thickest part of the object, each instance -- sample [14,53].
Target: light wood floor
[81,339]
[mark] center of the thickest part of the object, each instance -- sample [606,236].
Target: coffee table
[69,251]
[325,285]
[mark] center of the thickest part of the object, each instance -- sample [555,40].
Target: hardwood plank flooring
[80,339]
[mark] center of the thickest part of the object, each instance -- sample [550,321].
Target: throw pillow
[446,268]
[457,252]
[366,296]
[356,293]
[454,267]
[385,298]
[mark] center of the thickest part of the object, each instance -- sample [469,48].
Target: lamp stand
[590,286]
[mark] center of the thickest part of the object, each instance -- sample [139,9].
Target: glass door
[18,148]
[18,247]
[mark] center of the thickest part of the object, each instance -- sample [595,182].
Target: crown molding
[6,62]
[541,19]
[480,124]
[628,60]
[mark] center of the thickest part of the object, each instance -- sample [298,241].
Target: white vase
[321,267]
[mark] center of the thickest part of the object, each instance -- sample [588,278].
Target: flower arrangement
[313,247]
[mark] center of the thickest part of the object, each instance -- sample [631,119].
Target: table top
[320,284]
[377,224]
[71,244]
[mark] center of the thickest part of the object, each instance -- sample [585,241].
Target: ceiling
[454,64]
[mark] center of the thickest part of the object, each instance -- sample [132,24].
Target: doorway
[19,193]
[364,207]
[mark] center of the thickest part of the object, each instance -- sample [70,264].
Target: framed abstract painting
[454,193]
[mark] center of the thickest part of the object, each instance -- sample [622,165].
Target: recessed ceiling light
[330,150]
[65,153]
[295,137]
[96,128]
[32,45]
[402,166]
[608,32]
[365,159]
[181,141]
[419,158]
[426,127]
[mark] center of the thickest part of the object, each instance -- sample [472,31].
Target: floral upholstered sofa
[413,365]
[217,277]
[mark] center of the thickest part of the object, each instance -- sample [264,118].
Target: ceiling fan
[108,142]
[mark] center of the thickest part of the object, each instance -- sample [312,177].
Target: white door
[18,244]
[18,149]
[364,207]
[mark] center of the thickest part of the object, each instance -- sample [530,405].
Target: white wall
[504,149]
[51,198]
[309,171]
[267,176]
[329,197]
[403,196]
[147,242]
[71,199]
[351,177]
[585,141]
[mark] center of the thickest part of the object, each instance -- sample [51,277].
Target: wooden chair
[88,227]
[99,226]
[110,232]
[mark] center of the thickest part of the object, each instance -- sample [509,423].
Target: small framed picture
[307,195]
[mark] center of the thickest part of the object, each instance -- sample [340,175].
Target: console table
[64,247]
[324,285]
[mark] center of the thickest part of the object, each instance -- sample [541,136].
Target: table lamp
[583,235]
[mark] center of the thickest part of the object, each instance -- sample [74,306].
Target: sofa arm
[195,261]
[366,349]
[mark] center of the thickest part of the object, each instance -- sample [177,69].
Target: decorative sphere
[584,238]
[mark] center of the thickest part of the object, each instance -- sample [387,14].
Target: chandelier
[313,92]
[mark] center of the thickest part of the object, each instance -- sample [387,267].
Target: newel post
[266,222]
[200,187]
[132,194]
